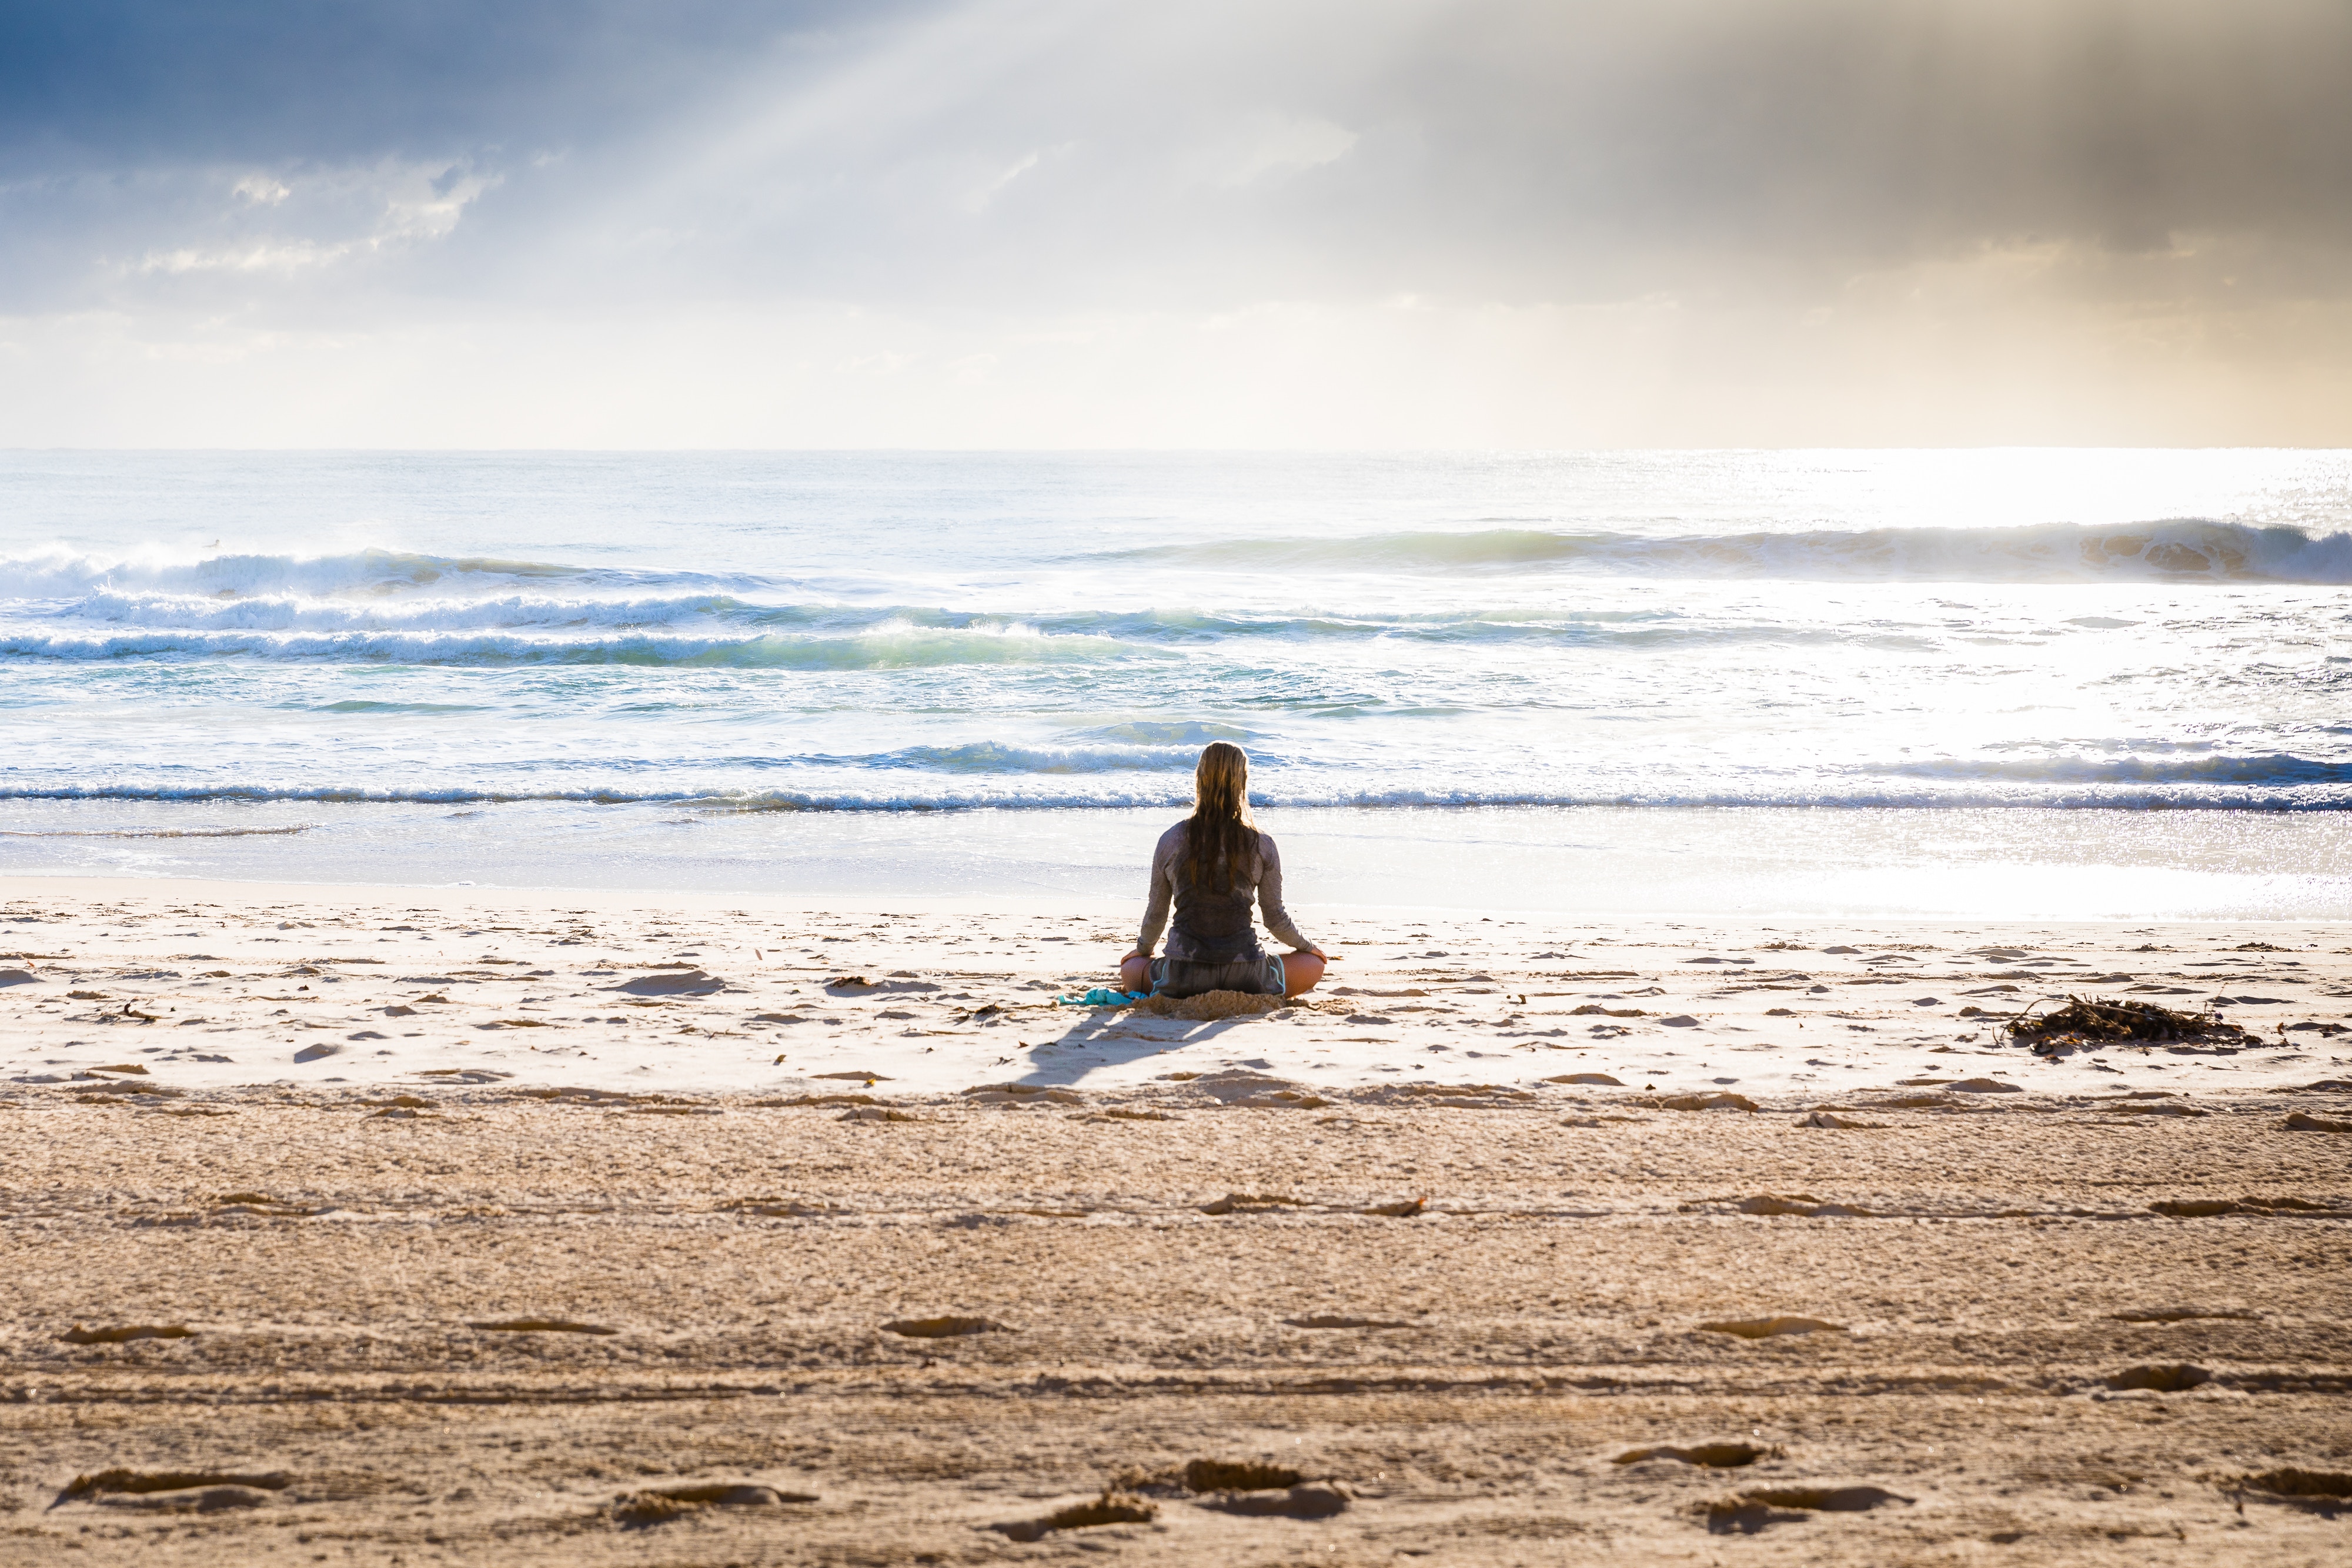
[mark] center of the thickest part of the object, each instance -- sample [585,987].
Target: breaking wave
[995,776]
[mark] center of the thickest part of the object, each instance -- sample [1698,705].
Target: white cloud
[1277,144]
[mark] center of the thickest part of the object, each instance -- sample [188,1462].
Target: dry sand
[2027,1310]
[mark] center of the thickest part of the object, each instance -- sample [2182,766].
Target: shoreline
[1993,865]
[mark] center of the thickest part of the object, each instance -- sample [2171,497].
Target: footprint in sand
[659,1505]
[1321,1321]
[1243,1475]
[172,1491]
[2162,1377]
[540,1325]
[1752,1511]
[944,1327]
[1313,1499]
[1713,1455]
[123,1335]
[1110,1508]
[2327,1492]
[1769,1328]
[1801,1205]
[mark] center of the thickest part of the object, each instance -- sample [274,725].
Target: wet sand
[485,1298]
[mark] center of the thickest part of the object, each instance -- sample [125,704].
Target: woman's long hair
[1222,836]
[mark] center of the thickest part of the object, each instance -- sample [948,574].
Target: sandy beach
[367,1224]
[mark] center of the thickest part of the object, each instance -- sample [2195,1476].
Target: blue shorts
[1262,975]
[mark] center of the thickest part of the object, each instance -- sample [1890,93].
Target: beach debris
[1770,1328]
[1594,1010]
[659,1505]
[1403,1208]
[1110,1508]
[174,1491]
[1713,1455]
[130,1067]
[1754,1511]
[2100,1021]
[124,1334]
[1327,1321]
[948,1327]
[2162,1377]
[1594,1080]
[540,1325]
[2303,1122]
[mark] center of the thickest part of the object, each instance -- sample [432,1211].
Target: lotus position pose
[1213,866]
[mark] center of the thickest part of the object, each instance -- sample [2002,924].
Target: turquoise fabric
[1103,996]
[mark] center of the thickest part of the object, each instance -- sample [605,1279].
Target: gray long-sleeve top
[1164,859]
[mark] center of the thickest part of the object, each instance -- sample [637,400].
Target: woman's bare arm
[1269,897]
[1163,890]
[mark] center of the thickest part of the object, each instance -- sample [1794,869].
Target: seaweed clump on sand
[2098,1021]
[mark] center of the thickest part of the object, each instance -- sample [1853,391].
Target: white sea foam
[1699,631]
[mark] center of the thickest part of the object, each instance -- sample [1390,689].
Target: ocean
[2029,682]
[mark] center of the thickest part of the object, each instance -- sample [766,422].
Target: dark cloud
[105,83]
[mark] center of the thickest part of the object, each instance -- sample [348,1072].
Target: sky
[1335,224]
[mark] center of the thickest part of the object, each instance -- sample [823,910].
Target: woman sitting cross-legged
[1213,866]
